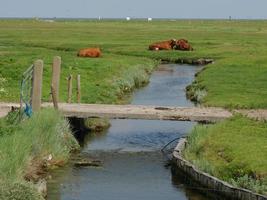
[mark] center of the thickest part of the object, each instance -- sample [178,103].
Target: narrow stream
[133,165]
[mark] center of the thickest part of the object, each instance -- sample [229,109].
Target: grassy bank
[234,150]
[237,79]
[25,149]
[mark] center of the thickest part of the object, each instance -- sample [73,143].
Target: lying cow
[165,45]
[182,45]
[90,52]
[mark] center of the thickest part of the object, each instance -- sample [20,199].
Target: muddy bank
[189,61]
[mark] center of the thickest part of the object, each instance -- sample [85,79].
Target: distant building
[45,20]
[49,20]
[128,18]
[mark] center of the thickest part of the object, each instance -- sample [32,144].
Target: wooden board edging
[221,187]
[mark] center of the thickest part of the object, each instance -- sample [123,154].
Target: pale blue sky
[250,9]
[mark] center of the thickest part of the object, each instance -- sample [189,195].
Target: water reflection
[167,86]
[139,175]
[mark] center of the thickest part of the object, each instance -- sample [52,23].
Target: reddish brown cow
[183,45]
[90,52]
[164,45]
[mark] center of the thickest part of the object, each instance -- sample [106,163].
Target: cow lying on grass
[165,45]
[181,44]
[90,52]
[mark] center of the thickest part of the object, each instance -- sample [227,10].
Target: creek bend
[133,165]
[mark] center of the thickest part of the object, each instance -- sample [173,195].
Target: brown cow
[90,52]
[182,45]
[164,45]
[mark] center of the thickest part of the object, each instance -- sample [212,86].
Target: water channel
[133,165]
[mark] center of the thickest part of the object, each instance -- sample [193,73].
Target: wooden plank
[56,68]
[69,88]
[143,112]
[5,108]
[199,114]
[4,111]
[78,88]
[54,97]
[37,85]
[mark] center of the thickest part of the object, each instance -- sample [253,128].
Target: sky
[239,9]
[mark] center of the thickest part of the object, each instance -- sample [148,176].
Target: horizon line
[130,18]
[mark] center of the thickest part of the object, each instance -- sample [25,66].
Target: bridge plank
[199,114]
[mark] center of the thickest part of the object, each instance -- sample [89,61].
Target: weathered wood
[88,163]
[56,68]
[222,188]
[4,111]
[78,88]
[37,85]
[201,114]
[69,88]
[54,97]
[20,107]
[143,112]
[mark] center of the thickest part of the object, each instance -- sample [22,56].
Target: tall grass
[46,133]
[132,78]
[18,191]
[194,150]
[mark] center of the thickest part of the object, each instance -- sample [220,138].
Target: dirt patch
[38,168]
[257,114]
[37,172]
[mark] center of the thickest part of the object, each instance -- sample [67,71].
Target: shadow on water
[133,165]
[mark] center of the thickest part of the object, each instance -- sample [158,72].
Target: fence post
[56,75]
[54,97]
[37,85]
[69,88]
[78,88]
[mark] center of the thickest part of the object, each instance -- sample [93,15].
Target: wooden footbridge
[198,114]
[143,112]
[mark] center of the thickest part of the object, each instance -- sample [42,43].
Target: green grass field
[233,150]
[237,79]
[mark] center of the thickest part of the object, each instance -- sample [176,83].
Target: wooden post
[56,75]
[37,85]
[69,88]
[54,97]
[78,88]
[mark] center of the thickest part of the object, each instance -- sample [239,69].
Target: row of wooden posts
[36,96]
